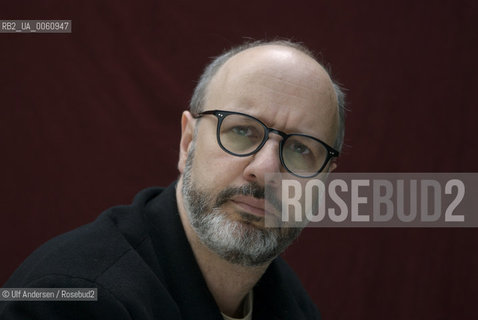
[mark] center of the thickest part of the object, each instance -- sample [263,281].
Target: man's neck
[228,283]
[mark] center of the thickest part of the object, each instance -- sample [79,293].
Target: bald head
[277,69]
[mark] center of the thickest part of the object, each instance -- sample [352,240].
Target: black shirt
[140,260]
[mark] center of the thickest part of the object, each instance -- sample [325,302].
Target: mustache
[252,189]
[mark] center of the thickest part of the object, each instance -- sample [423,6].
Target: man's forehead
[272,58]
[275,62]
[266,65]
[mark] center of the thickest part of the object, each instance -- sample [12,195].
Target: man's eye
[242,131]
[300,148]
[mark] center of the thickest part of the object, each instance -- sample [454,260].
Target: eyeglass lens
[242,135]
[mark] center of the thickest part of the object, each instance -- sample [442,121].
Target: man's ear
[332,166]
[187,134]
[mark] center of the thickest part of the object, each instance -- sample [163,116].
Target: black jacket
[143,266]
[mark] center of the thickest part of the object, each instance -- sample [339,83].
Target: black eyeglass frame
[221,115]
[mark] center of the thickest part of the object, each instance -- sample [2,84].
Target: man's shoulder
[91,250]
[114,254]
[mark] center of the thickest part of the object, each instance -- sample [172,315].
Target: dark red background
[87,119]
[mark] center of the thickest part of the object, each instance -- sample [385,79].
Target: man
[199,249]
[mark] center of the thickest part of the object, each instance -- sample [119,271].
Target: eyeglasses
[242,135]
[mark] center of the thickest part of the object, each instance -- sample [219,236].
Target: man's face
[222,194]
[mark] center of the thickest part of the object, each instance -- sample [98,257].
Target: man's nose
[263,162]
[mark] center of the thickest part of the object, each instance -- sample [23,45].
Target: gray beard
[238,242]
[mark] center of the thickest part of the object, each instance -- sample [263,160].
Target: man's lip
[250,204]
